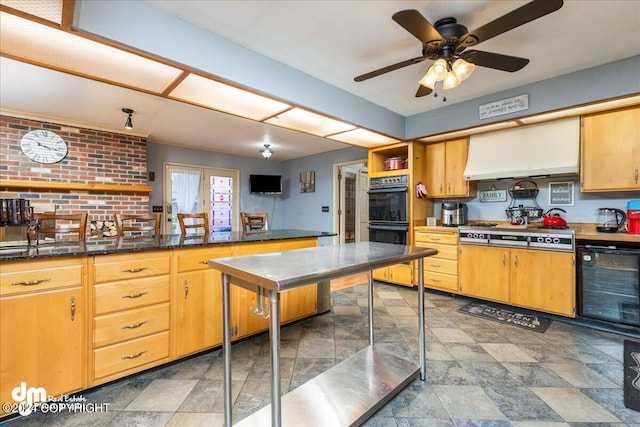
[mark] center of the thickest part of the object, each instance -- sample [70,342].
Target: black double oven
[388,208]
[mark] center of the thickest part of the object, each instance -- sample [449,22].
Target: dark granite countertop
[108,245]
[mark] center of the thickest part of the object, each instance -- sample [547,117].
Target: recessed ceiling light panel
[51,10]
[219,96]
[363,138]
[59,50]
[306,121]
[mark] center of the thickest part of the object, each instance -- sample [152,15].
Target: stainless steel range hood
[537,150]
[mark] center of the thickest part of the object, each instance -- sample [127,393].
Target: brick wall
[94,156]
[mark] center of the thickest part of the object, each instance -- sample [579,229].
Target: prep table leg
[226,347]
[421,316]
[274,331]
[370,302]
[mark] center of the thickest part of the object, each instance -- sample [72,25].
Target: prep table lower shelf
[344,395]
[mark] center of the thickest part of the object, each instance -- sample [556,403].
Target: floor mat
[510,317]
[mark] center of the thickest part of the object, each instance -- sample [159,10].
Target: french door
[192,189]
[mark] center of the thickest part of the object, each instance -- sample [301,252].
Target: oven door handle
[388,190]
[388,227]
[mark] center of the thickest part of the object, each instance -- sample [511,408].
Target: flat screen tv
[265,184]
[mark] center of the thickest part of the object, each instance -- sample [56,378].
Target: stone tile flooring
[479,373]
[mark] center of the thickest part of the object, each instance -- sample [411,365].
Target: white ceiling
[333,41]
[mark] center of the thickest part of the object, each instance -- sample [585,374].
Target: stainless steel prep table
[351,391]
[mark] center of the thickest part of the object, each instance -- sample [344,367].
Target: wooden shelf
[75,186]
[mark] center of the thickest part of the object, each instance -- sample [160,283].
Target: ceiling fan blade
[494,60]
[413,21]
[389,68]
[527,13]
[423,91]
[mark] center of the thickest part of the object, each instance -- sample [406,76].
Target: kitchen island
[105,308]
[351,391]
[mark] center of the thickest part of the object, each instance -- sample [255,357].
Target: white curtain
[185,186]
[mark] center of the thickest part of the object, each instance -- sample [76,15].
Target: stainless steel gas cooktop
[527,238]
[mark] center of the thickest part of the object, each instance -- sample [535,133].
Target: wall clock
[43,146]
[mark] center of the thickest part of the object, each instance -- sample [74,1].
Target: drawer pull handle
[30,282]
[435,238]
[138,295]
[134,356]
[135,325]
[435,265]
[435,280]
[135,270]
[203,262]
[73,308]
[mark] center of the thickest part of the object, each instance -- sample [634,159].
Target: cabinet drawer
[441,281]
[447,239]
[438,265]
[131,266]
[120,357]
[22,277]
[118,327]
[128,294]
[444,251]
[197,259]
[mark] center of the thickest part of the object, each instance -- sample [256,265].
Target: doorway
[192,189]
[351,201]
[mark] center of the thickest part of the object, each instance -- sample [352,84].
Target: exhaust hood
[543,149]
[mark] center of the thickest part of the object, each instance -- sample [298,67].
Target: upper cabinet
[611,151]
[445,168]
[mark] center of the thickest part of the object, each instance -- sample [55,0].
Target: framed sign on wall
[561,193]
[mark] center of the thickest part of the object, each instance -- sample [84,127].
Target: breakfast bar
[354,389]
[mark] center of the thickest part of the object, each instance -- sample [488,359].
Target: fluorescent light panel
[306,121]
[586,109]
[51,10]
[363,137]
[41,44]
[219,96]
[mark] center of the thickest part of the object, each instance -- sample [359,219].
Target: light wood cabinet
[131,313]
[440,270]
[445,163]
[540,280]
[610,151]
[399,274]
[43,325]
[198,300]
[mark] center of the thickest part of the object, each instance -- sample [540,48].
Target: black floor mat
[509,317]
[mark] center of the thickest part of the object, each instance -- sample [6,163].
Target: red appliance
[554,220]
[633,216]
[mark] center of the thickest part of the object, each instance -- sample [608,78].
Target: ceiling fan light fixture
[450,81]
[438,69]
[266,153]
[428,80]
[462,68]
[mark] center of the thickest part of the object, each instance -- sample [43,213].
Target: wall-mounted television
[265,184]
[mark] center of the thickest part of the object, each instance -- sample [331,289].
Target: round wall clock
[43,146]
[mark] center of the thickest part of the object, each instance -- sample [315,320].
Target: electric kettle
[610,220]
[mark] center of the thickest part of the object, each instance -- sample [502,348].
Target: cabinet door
[455,161]
[380,274]
[543,280]
[198,311]
[435,175]
[42,342]
[484,272]
[243,320]
[298,303]
[611,151]
[401,274]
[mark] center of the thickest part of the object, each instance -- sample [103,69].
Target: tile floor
[479,373]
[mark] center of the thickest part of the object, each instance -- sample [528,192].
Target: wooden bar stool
[254,221]
[67,225]
[138,224]
[197,221]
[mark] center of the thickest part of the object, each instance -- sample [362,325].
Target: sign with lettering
[493,195]
[504,106]
[561,193]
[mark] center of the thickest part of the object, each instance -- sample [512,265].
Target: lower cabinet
[399,274]
[441,269]
[42,326]
[540,280]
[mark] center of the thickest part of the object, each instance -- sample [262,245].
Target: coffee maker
[453,214]
[633,216]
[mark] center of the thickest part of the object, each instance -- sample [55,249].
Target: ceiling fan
[445,43]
